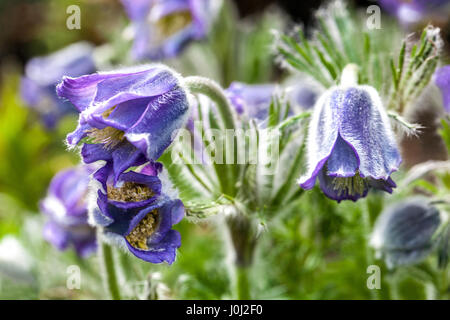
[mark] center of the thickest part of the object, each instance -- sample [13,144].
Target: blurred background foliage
[317,252]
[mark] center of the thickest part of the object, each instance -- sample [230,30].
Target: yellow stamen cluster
[172,23]
[139,235]
[130,192]
[353,185]
[108,136]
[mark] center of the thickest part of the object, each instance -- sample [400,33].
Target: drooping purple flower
[42,74]
[127,117]
[351,147]
[136,214]
[410,12]
[403,232]
[302,95]
[251,100]
[163,27]
[442,80]
[66,208]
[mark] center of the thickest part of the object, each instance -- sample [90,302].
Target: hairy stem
[107,267]
[243,242]
[212,90]
[227,174]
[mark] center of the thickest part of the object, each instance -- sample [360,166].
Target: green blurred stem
[243,241]
[367,225]
[108,270]
[242,283]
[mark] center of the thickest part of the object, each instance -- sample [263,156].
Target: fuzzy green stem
[212,90]
[242,245]
[107,266]
[227,174]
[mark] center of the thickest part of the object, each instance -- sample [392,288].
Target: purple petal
[126,156]
[95,152]
[342,161]
[322,136]
[153,133]
[56,235]
[137,9]
[365,126]
[164,251]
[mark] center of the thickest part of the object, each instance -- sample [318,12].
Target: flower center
[110,137]
[145,228]
[130,192]
[172,23]
[353,185]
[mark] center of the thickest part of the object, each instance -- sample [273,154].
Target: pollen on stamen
[353,185]
[146,227]
[172,23]
[130,192]
[110,137]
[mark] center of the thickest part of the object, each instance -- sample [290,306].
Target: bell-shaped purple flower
[136,214]
[351,147]
[442,80]
[66,208]
[163,27]
[127,117]
[403,232]
[42,74]
[410,12]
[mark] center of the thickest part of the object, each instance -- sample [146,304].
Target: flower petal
[342,161]
[164,251]
[322,136]
[153,133]
[364,125]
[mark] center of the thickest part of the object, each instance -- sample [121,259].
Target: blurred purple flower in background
[251,100]
[351,147]
[442,80]
[163,27]
[410,12]
[403,232]
[136,214]
[66,208]
[127,117]
[42,74]
[303,95]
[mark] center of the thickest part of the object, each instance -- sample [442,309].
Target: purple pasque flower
[410,12]
[163,27]
[442,80]
[403,233]
[302,95]
[127,117]
[42,74]
[251,100]
[66,208]
[351,146]
[135,213]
